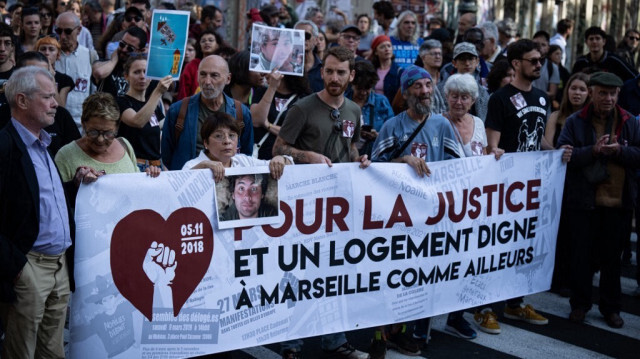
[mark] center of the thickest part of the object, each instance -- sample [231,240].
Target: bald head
[213,75]
[466,22]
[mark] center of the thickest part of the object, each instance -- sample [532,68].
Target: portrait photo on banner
[276,48]
[247,197]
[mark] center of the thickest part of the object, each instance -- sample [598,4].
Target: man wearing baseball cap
[349,37]
[600,190]
[466,61]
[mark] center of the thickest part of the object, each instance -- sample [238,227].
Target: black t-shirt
[4,76]
[63,80]
[146,140]
[116,85]
[278,103]
[519,116]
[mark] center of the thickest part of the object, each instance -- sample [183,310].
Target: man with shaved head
[181,140]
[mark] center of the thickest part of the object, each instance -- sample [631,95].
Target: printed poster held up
[169,31]
[273,47]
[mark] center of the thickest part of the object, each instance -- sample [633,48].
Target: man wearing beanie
[415,137]
[600,191]
[433,141]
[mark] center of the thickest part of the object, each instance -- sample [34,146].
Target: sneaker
[346,351]
[403,344]
[377,349]
[291,354]
[525,313]
[460,327]
[487,321]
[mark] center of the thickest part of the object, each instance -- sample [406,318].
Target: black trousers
[596,244]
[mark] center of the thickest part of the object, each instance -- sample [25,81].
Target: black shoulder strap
[406,143]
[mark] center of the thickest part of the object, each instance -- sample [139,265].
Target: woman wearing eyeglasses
[141,117]
[99,148]
[46,19]
[220,133]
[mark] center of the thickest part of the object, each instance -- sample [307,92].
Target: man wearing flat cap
[600,190]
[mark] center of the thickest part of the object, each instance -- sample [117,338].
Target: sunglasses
[45,14]
[132,18]
[335,116]
[307,35]
[130,48]
[634,38]
[63,3]
[67,31]
[534,61]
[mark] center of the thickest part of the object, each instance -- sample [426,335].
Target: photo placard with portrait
[247,196]
[276,48]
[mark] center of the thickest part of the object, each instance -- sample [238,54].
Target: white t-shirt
[478,139]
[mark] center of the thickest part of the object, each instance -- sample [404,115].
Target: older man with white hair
[75,61]
[405,39]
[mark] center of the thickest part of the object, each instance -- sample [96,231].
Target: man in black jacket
[35,228]
[600,190]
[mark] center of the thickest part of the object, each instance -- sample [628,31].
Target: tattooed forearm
[280,147]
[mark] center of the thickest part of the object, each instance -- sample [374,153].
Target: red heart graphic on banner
[187,232]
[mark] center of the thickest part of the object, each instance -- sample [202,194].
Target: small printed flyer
[169,30]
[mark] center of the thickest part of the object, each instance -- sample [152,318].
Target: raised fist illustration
[160,267]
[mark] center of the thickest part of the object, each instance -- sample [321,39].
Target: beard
[211,92]
[335,91]
[416,105]
[532,76]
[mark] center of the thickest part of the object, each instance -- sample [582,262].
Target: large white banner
[353,249]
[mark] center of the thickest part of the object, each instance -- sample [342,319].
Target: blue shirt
[54,233]
[405,52]
[436,135]
[377,108]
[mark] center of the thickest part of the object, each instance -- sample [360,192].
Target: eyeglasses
[45,14]
[534,61]
[67,31]
[221,136]
[307,35]
[350,37]
[335,116]
[108,135]
[634,38]
[435,54]
[63,3]
[132,18]
[130,48]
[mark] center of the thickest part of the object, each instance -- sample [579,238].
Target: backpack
[182,114]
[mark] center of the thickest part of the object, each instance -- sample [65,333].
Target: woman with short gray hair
[461,92]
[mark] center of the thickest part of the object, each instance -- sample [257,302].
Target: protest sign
[353,248]
[247,197]
[273,47]
[168,43]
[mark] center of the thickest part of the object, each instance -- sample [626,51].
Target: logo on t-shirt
[518,101]
[530,139]
[543,101]
[476,148]
[81,85]
[419,149]
[348,128]
[153,121]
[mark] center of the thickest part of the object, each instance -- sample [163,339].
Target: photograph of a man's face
[246,199]
[276,48]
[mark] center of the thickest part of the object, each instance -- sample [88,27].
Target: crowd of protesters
[76,98]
